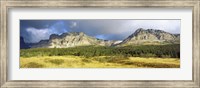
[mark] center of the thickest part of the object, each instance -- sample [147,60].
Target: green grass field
[145,56]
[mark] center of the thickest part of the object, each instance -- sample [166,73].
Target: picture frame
[7,4]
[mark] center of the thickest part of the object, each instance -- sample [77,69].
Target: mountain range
[139,37]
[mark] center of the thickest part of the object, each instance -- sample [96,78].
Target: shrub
[165,56]
[148,55]
[111,59]
[56,61]
[86,60]
[172,51]
[33,65]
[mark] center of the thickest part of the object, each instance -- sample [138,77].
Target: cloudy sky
[36,30]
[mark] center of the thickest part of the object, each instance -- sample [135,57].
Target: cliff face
[71,40]
[139,37]
[151,36]
[23,45]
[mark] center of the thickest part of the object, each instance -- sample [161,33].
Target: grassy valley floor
[70,61]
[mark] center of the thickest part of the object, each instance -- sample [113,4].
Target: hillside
[151,37]
[139,37]
[71,40]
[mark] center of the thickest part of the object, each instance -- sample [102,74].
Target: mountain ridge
[151,36]
[139,37]
[72,39]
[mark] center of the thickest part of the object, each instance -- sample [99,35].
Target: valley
[143,56]
[145,48]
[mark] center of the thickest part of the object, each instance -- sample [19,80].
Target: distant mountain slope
[150,37]
[71,40]
[139,37]
[23,45]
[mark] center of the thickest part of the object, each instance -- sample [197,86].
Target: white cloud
[73,24]
[123,28]
[35,35]
[172,26]
[105,29]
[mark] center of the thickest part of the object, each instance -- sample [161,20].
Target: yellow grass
[82,62]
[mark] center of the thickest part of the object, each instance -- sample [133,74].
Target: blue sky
[35,30]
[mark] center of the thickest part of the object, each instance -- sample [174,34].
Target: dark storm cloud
[36,30]
[36,23]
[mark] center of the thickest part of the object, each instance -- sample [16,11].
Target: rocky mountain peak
[76,33]
[139,37]
[71,39]
[53,36]
[56,36]
[152,31]
[151,36]
[139,30]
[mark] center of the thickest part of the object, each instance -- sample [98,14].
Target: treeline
[169,51]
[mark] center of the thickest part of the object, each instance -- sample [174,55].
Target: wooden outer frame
[6,4]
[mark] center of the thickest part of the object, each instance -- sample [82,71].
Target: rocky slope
[150,37]
[139,37]
[71,40]
[23,45]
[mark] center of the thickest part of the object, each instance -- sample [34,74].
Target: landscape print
[100,43]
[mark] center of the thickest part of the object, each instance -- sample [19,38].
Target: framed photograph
[100,43]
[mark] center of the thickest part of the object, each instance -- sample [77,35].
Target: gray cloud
[34,31]
[121,29]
